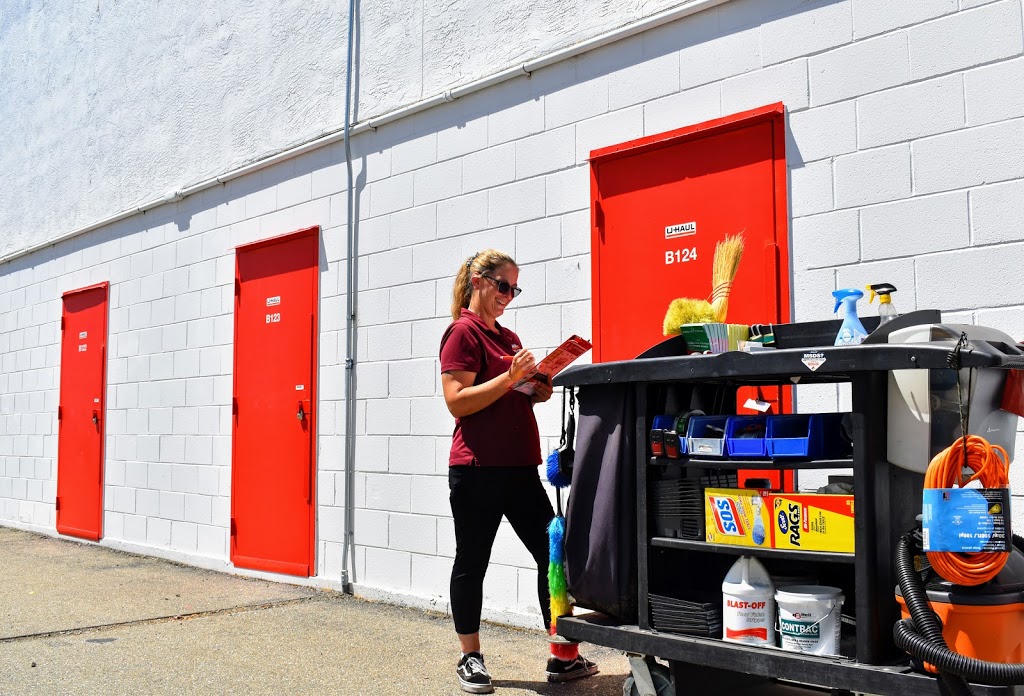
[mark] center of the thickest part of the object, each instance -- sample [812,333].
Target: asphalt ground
[83,619]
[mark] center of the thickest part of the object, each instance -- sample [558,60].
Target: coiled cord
[990,465]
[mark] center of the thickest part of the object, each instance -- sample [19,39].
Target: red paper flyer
[556,361]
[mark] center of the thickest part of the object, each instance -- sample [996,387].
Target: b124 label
[680,255]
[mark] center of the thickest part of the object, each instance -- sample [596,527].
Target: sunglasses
[503,287]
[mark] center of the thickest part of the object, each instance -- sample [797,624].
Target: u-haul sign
[683,229]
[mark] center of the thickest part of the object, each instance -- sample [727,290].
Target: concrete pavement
[83,619]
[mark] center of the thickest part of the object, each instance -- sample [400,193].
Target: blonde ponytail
[486,261]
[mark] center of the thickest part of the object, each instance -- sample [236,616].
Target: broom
[728,253]
[686,310]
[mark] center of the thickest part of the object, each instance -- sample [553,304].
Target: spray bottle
[886,311]
[852,332]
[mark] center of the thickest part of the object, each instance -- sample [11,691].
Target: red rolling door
[81,414]
[272,477]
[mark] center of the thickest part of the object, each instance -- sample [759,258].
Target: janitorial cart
[666,471]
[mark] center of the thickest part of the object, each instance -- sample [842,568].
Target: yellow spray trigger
[883,290]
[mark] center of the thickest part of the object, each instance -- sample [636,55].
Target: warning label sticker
[813,360]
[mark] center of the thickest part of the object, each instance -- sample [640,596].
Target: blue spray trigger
[842,294]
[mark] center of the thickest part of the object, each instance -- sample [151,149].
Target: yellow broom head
[686,310]
[728,253]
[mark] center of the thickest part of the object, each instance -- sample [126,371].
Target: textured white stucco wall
[108,104]
[904,160]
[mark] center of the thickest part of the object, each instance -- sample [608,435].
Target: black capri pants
[480,496]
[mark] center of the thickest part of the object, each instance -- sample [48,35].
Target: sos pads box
[737,517]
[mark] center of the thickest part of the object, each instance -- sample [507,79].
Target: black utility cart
[887,501]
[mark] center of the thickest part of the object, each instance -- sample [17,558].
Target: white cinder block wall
[905,162]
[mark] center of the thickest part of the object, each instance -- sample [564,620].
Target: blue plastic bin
[807,436]
[668,424]
[705,436]
[745,436]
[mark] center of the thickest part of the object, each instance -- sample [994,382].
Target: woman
[495,453]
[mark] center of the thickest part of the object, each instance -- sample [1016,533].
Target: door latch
[301,415]
[95,418]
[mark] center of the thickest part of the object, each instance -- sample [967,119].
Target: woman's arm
[463,398]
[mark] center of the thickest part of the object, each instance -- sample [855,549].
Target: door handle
[301,415]
[95,418]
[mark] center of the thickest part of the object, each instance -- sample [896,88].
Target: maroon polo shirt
[505,433]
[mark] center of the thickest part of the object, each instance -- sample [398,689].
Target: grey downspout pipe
[348,542]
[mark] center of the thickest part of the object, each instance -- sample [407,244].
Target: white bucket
[748,612]
[809,618]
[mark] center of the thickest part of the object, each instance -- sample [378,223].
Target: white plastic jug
[748,604]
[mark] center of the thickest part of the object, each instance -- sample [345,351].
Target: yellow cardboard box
[738,517]
[812,522]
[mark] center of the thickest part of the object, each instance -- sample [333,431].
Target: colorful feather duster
[560,605]
[559,466]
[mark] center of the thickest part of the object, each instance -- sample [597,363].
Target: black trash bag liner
[601,515]
[600,536]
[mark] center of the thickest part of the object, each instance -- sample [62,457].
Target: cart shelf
[781,365]
[783,554]
[779,464]
[829,672]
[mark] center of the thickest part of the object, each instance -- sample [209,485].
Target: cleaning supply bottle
[886,311]
[748,603]
[852,332]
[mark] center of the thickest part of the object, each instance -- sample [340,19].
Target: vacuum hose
[921,635]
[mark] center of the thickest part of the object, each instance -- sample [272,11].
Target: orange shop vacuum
[963,611]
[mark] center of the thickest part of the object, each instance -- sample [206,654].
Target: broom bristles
[728,253]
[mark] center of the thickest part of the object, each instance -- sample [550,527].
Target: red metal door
[80,415]
[272,477]
[661,204]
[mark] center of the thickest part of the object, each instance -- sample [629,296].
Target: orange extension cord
[990,464]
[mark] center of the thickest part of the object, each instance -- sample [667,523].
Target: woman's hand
[541,391]
[523,363]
